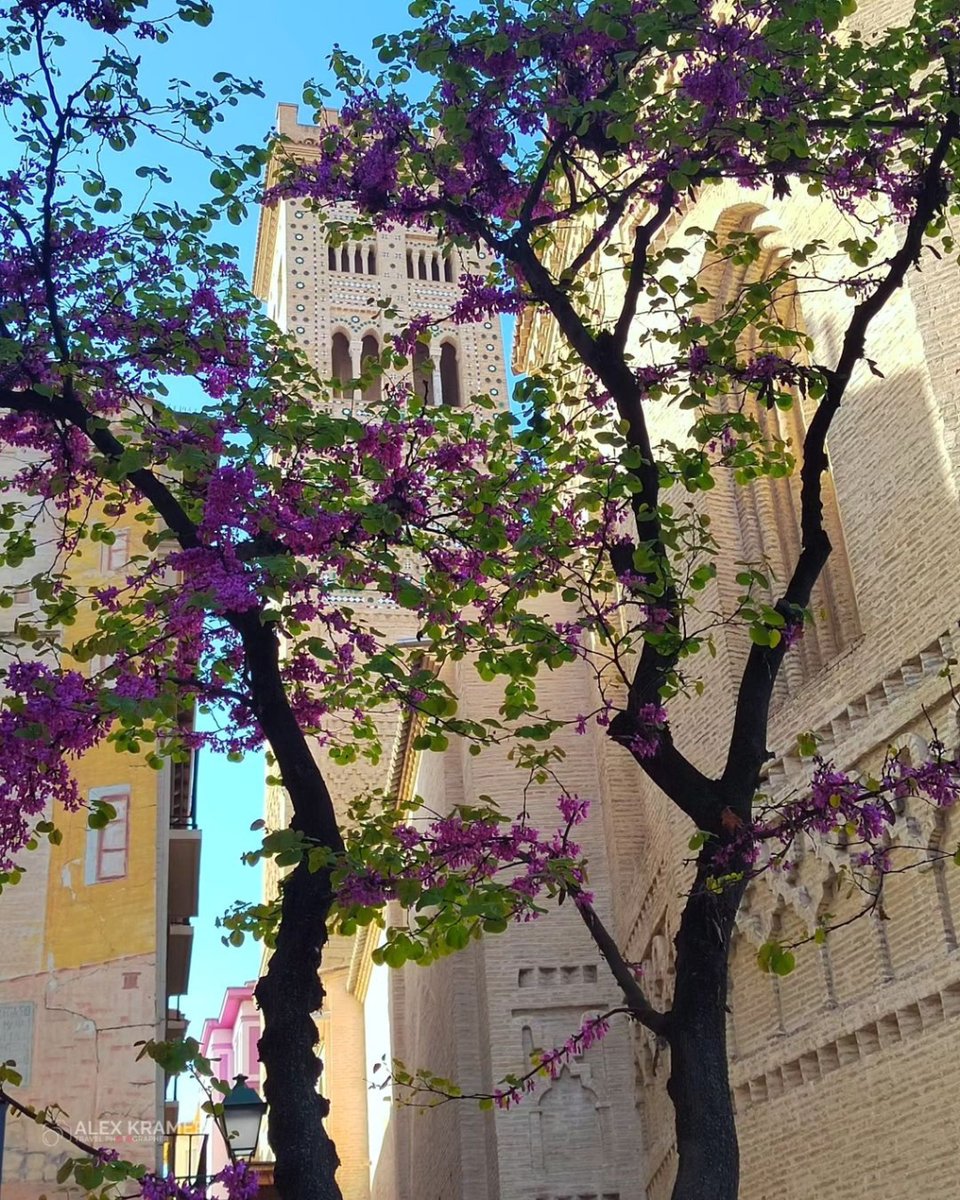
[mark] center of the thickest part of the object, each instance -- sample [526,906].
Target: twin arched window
[343,371]
[427,378]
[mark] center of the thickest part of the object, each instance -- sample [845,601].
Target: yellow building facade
[96,934]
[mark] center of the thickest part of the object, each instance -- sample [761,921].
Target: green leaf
[784,963]
[457,936]
[772,958]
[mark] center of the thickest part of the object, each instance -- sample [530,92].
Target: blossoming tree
[257,507]
[260,504]
[550,131]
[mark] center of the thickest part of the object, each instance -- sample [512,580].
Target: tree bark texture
[708,1154]
[289,994]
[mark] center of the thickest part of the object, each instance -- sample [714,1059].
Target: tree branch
[638,266]
[616,210]
[640,1007]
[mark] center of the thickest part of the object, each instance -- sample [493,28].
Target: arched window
[448,268]
[768,510]
[423,373]
[422,265]
[370,349]
[449,375]
[371,261]
[570,1128]
[410,271]
[345,259]
[332,258]
[342,369]
[435,266]
[358,261]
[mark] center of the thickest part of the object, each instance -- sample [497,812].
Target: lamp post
[243,1112]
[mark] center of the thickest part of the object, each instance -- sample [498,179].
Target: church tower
[477,1015]
[327,295]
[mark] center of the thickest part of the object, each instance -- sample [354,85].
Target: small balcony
[183,794]
[179,949]
[176,1028]
[183,873]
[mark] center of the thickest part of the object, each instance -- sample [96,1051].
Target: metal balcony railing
[183,794]
[185,1158]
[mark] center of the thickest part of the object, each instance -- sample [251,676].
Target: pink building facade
[230,1042]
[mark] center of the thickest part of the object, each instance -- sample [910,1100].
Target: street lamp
[242,1113]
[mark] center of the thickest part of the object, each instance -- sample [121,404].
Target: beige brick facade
[843,1073]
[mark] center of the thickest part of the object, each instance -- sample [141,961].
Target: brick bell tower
[477,1015]
[326,295]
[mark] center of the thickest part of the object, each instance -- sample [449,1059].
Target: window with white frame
[108,848]
[116,555]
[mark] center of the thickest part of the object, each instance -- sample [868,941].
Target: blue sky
[283,44]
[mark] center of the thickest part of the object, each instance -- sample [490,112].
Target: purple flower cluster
[479,300]
[860,812]
[652,720]
[49,718]
[239,1182]
[472,851]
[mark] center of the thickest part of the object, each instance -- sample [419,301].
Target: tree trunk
[709,1161]
[288,994]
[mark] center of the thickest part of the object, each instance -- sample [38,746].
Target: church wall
[842,1072]
[543,977]
[816,1056]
